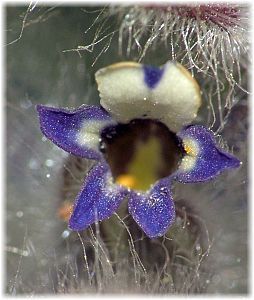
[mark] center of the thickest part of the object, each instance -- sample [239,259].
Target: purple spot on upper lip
[152,76]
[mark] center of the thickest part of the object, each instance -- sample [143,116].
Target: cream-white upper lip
[124,94]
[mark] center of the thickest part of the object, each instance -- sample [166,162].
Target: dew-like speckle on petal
[203,159]
[75,131]
[98,199]
[154,211]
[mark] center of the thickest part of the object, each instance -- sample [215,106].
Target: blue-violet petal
[204,159]
[154,211]
[98,199]
[75,131]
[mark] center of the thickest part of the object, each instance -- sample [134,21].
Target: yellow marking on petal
[192,149]
[188,149]
[144,167]
[146,163]
[127,180]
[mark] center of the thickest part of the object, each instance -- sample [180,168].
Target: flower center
[140,152]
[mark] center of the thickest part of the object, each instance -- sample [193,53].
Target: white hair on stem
[211,40]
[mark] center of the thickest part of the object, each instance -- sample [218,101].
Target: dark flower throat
[140,152]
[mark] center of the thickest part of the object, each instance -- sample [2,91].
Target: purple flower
[141,141]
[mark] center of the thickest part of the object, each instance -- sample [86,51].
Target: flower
[141,140]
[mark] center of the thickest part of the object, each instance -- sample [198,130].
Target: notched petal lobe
[154,211]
